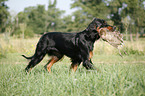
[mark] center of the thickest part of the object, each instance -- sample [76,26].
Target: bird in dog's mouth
[114,38]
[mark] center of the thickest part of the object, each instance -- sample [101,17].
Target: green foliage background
[127,15]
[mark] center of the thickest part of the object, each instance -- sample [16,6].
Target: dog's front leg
[86,60]
[86,55]
[88,65]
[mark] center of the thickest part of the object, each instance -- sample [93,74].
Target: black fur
[74,45]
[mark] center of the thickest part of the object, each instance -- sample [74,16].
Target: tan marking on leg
[53,60]
[90,55]
[74,67]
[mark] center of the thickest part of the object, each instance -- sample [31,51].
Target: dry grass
[27,46]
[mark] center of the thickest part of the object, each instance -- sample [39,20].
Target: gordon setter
[77,46]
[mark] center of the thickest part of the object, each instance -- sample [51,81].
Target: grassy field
[118,77]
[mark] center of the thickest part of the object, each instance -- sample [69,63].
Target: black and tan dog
[77,46]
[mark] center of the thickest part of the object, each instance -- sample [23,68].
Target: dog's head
[101,24]
[106,32]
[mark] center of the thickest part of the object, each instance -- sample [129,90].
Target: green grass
[118,77]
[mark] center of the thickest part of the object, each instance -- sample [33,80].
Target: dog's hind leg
[90,56]
[50,63]
[74,65]
[40,52]
[34,61]
[55,57]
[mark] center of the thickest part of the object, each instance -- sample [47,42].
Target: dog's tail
[27,57]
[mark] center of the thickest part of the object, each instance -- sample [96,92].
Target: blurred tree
[80,21]
[37,18]
[131,9]
[40,20]
[3,15]
[67,24]
[92,8]
[87,10]
[126,26]
[23,18]
[136,11]
[115,7]
[53,17]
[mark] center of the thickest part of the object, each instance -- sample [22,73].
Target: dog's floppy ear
[101,31]
[95,22]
